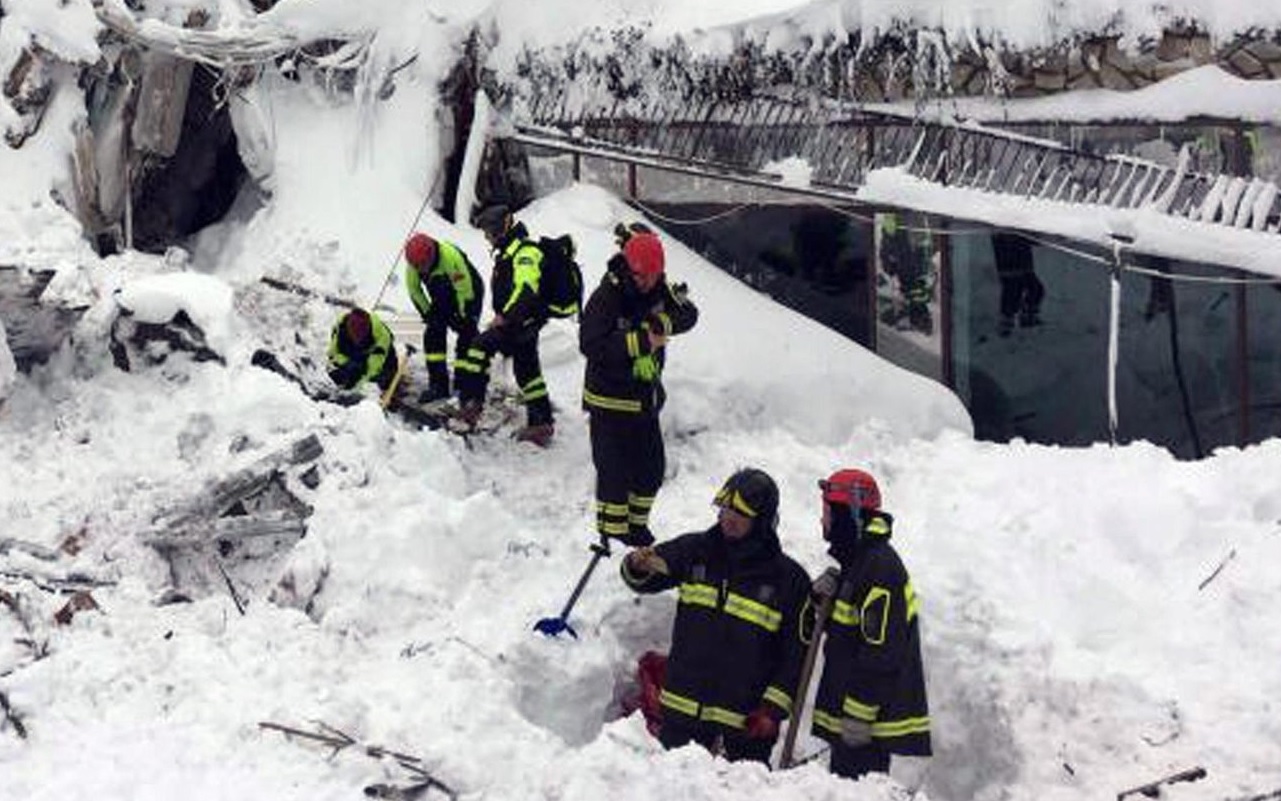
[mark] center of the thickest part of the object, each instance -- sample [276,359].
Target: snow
[1078,640]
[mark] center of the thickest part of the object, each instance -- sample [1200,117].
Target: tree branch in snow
[1231,555]
[339,740]
[10,717]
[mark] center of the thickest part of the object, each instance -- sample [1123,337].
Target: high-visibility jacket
[449,290]
[736,641]
[515,279]
[872,658]
[351,364]
[613,335]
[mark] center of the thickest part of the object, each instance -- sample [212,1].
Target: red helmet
[358,325]
[420,250]
[644,254]
[854,488]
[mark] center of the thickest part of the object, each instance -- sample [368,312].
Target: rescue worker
[624,332]
[736,650]
[448,294]
[362,348]
[519,316]
[871,698]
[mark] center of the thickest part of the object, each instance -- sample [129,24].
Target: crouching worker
[871,698]
[736,651]
[362,348]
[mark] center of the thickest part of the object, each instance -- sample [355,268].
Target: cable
[395,259]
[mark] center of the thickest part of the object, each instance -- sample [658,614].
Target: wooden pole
[803,685]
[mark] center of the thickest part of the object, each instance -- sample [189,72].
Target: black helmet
[493,221]
[751,492]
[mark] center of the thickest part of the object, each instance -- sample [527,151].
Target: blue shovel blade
[553,626]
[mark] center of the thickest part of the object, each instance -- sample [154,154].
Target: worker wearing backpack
[528,286]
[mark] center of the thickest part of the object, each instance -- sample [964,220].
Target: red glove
[761,725]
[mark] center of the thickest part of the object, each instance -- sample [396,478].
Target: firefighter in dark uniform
[736,649]
[362,348]
[624,331]
[519,317]
[871,700]
[448,294]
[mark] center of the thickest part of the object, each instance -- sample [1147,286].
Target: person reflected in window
[1021,290]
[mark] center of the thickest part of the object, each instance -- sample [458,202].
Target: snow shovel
[553,626]
[803,684]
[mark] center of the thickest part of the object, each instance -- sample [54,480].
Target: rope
[395,259]
[695,221]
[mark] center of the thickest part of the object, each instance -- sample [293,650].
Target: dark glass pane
[1029,339]
[809,258]
[1263,307]
[1176,384]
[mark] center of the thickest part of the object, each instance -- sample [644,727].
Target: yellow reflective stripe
[913,603]
[666,321]
[874,596]
[845,613]
[563,311]
[645,501]
[778,698]
[698,594]
[612,404]
[435,357]
[753,612]
[633,344]
[616,509]
[612,528]
[734,500]
[859,710]
[901,728]
[827,721]
[727,717]
[680,703]
[877,525]
[468,367]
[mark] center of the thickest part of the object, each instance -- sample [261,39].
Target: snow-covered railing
[841,144]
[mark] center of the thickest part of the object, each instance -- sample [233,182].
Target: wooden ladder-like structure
[741,139]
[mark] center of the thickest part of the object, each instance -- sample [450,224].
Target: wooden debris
[249,516]
[79,602]
[1153,788]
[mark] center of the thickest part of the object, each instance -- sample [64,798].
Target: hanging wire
[395,259]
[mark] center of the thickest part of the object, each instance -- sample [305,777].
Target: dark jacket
[736,640]
[613,336]
[514,282]
[872,659]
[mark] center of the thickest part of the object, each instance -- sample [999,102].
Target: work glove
[679,292]
[488,339]
[348,375]
[645,368]
[827,583]
[622,232]
[855,732]
[761,725]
